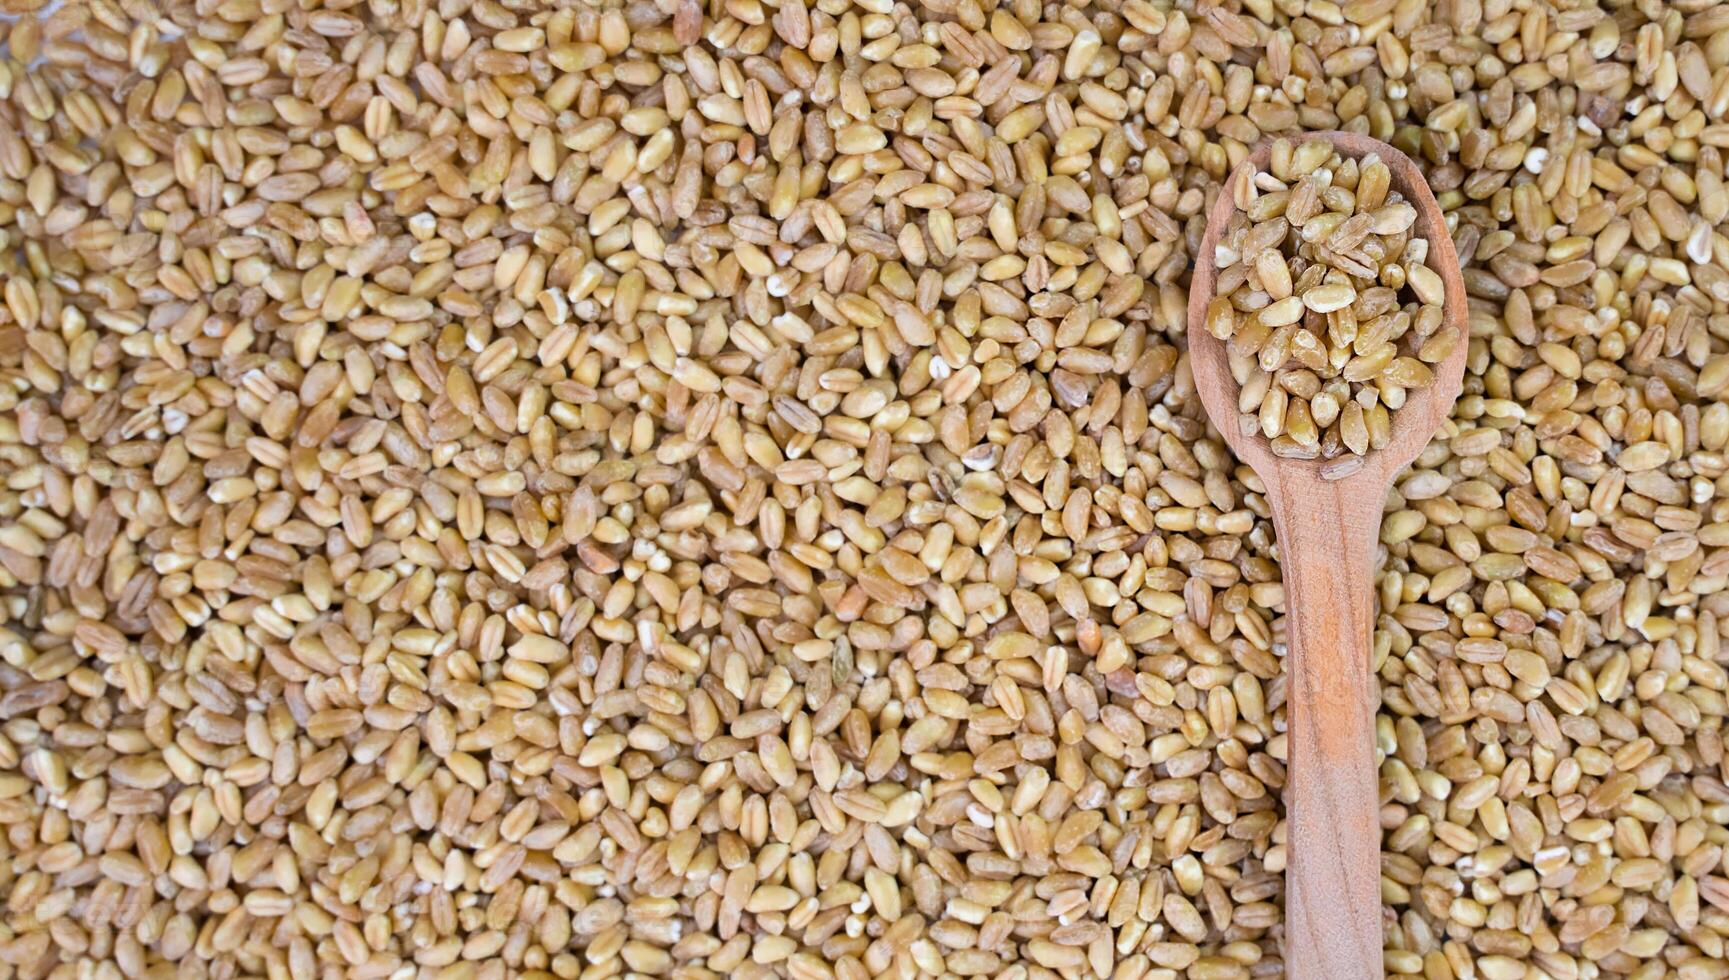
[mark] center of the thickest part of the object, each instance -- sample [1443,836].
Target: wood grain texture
[1328,533]
[1333,874]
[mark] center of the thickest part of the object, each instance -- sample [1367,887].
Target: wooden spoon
[1328,531]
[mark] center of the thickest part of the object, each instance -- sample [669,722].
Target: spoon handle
[1327,541]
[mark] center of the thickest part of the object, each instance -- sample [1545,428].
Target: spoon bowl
[1327,518]
[1424,409]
